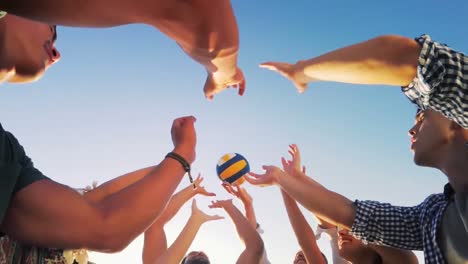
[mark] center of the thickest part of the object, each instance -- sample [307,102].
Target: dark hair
[378,260]
[196,261]
[54,37]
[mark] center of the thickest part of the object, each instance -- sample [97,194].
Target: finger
[284,162]
[199,179]
[253,181]
[301,87]
[254,175]
[268,167]
[210,194]
[228,187]
[268,65]
[242,87]
[216,217]
[291,153]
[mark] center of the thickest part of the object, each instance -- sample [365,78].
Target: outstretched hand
[289,71]
[201,189]
[239,192]
[220,203]
[199,214]
[270,177]
[217,82]
[293,166]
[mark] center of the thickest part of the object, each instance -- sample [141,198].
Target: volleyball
[231,167]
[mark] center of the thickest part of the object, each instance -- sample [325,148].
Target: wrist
[187,154]
[197,219]
[247,203]
[299,71]
[279,178]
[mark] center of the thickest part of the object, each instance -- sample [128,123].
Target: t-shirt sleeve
[441,83]
[16,170]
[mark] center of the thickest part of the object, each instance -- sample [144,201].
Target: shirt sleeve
[441,83]
[28,174]
[385,224]
[332,234]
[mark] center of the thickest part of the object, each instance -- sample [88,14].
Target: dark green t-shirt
[16,170]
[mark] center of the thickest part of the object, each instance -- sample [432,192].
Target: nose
[412,131]
[55,55]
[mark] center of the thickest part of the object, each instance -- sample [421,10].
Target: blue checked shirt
[441,83]
[412,228]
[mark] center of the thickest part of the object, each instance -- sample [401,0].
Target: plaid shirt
[412,228]
[441,83]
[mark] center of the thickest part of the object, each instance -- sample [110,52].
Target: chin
[28,73]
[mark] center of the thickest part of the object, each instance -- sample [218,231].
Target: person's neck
[455,166]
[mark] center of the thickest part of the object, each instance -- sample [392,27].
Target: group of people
[432,75]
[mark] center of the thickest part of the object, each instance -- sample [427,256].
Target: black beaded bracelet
[184,164]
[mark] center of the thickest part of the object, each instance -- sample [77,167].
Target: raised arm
[242,194]
[155,244]
[253,242]
[176,252]
[388,60]
[363,218]
[206,30]
[304,234]
[329,205]
[37,210]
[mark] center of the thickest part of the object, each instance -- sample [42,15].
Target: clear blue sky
[106,108]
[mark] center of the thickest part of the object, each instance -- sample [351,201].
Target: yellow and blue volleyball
[232,167]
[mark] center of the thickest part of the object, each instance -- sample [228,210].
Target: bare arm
[316,198]
[391,255]
[249,236]
[206,30]
[108,188]
[388,60]
[49,214]
[175,253]
[246,200]
[155,238]
[304,234]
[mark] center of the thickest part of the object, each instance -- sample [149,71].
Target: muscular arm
[304,234]
[52,215]
[48,214]
[108,188]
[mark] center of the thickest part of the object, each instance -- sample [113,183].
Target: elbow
[112,244]
[109,242]
[106,238]
[259,247]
